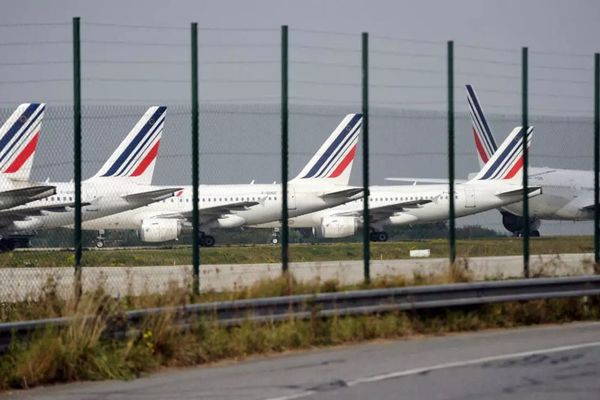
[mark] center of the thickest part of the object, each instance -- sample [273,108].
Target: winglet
[135,157]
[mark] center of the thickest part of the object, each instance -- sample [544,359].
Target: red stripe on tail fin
[24,156]
[347,160]
[146,161]
[479,146]
[513,171]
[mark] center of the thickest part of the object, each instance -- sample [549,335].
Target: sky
[407,42]
[137,53]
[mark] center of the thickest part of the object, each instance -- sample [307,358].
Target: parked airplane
[121,184]
[18,142]
[323,183]
[568,194]
[497,184]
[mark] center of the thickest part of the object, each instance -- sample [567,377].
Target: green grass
[79,352]
[298,252]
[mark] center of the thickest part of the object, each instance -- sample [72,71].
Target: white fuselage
[564,193]
[470,198]
[302,198]
[105,196]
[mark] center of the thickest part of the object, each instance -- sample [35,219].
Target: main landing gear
[9,244]
[100,239]
[381,236]
[275,236]
[206,240]
[535,233]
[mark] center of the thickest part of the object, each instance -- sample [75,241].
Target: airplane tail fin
[333,161]
[135,157]
[507,162]
[18,140]
[484,139]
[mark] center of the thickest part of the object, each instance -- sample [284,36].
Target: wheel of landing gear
[374,237]
[535,234]
[7,245]
[99,244]
[208,241]
[382,236]
[274,240]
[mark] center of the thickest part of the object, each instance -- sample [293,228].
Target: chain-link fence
[136,161]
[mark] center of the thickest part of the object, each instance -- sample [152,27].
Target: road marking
[457,364]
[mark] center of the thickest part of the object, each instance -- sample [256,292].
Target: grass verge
[298,252]
[81,352]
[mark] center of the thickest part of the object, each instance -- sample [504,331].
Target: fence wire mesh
[128,68]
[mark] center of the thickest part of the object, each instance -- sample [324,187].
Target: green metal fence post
[525,124]
[195,166]
[596,162]
[451,214]
[284,150]
[365,148]
[77,152]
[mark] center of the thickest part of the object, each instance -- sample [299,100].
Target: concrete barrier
[29,283]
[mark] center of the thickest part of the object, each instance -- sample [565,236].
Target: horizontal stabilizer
[381,212]
[424,180]
[347,193]
[533,191]
[151,196]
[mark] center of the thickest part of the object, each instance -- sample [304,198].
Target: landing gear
[275,236]
[378,236]
[531,234]
[100,239]
[207,240]
[7,245]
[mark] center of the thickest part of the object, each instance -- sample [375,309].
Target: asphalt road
[558,362]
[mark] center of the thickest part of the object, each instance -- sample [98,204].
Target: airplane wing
[36,211]
[211,213]
[150,196]
[15,197]
[348,193]
[382,212]
[424,180]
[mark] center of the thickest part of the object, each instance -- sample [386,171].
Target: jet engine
[337,227]
[159,230]
[231,221]
[516,224]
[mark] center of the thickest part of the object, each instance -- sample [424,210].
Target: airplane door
[469,197]
[291,198]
